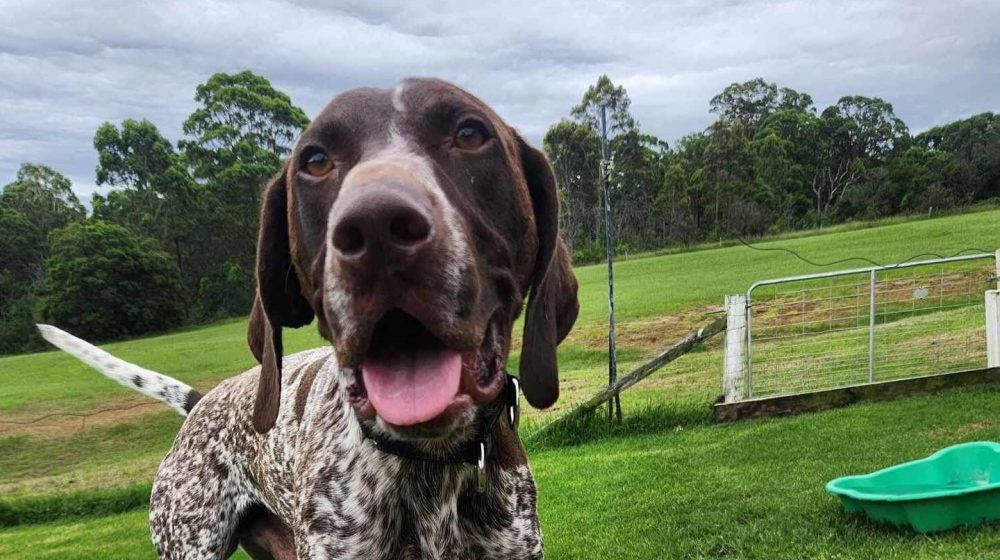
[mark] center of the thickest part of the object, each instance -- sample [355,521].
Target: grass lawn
[672,291]
[115,537]
[753,490]
[668,483]
[656,286]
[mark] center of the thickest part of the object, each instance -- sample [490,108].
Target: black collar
[473,451]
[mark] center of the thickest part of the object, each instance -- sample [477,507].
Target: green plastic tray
[957,486]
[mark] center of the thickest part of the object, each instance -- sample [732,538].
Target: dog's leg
[195,507]
[203,488]
[265,537]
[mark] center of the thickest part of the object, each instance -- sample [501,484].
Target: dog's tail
[177,395]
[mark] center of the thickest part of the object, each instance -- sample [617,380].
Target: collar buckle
[513,402]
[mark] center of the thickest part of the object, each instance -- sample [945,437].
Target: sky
[66,66]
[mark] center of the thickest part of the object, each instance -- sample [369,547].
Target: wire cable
[862,259]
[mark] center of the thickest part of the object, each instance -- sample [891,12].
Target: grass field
[668,483]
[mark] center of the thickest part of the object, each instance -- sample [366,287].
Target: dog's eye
[470,135]
[317,163]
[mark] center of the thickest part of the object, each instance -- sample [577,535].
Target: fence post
[734,363]
[993,320]
[871,327]
[993,328]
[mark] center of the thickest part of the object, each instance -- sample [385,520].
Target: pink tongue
[414,388]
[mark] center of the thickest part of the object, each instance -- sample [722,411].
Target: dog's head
[413,223]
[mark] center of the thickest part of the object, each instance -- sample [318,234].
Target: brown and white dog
[412,223]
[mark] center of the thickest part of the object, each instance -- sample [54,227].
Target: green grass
[946,341]
[54,380]
[116,537]
[98,458]
[663,285]
[667,483]
[755,490]
[645,287]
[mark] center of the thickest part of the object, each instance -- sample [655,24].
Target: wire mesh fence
[844,328]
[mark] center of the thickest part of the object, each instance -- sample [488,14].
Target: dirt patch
[846,304]
[649,336]
[56,425]
[52,423]
[966,431]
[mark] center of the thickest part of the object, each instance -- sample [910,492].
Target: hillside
[668,483]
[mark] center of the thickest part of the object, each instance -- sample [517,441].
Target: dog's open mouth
[409,377]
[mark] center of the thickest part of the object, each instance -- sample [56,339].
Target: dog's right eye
[316,163]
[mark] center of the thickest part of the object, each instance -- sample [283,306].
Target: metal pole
[749,347]
[871,327]
[615,403]
[997,257]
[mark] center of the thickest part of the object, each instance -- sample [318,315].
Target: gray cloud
[67,66]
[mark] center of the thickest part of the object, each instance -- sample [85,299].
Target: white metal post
[997,261]
[993,328]
[993,321]
[734,362]
[871,327]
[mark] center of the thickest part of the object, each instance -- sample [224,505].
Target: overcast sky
[68,66]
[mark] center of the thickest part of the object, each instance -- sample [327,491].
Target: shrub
[105,283]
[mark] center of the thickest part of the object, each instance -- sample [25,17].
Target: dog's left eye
[317,163]
[470,135]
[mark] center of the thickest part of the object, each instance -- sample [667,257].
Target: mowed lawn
[669,483]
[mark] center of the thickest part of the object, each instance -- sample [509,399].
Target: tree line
[770,162]
[172,239]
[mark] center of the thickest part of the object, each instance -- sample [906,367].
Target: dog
[412,224]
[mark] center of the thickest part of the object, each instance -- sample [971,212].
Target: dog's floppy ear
[553,304]
[278,302]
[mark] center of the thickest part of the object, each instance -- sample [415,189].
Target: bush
[225,292]
[17,326]
[588,253]
[106,283]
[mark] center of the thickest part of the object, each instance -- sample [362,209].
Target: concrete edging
[789,405]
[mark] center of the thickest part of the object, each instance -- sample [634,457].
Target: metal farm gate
[835,329]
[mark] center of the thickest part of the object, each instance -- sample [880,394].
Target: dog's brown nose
[381,223]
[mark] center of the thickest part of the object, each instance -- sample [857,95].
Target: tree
[575,153]
[729,167]
[153,194]
[104,282]
[751,102]
[22,250]
[974,144]
[617,103]
[865,127]
[919,180]
[135,156]
[858,135]
[21,255]
[241,118]
[634,174]
[639,162]
[237,138]
[44,196]
[686,187]
[39,200]
[17,324]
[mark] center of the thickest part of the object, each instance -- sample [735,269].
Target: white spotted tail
[179,396]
